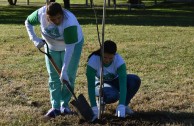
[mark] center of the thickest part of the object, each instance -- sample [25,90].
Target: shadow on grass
[165,14]
[163,117]
[149,118]
[15,14]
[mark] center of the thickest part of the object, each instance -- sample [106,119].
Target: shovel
[80,104]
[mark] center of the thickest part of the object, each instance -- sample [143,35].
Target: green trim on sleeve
[33,18]
[122,83]
[70,35]
[90,74]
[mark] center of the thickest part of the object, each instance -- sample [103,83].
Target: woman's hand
[120,111]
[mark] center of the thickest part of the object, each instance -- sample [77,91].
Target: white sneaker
[128,110]
[65,110]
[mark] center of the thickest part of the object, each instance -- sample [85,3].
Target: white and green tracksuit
[115,70]
[65,43]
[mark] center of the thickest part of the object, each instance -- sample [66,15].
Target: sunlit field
[157,44]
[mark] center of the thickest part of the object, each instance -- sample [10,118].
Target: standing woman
[118,85]
[61,30]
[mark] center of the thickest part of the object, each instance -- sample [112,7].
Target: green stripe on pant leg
[54,81]
[71,71]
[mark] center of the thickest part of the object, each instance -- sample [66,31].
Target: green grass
[157,44]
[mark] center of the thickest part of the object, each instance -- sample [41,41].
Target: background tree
[12,2]
[66,4]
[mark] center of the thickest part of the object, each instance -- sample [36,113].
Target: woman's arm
[122,83]
[70,38]
[90,74]
[31,21]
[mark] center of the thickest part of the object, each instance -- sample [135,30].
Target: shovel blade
[83,108]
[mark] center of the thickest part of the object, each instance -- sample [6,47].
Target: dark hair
[109,47]
[53,9]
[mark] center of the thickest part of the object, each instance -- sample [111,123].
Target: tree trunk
[66,4]
[12,2]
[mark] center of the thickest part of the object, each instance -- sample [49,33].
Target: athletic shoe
[52,113]
[65,110]
[128,110]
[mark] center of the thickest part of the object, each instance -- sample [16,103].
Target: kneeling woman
[118,85]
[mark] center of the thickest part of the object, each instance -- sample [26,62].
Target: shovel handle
[57,69]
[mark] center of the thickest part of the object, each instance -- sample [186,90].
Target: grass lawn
[157,44]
